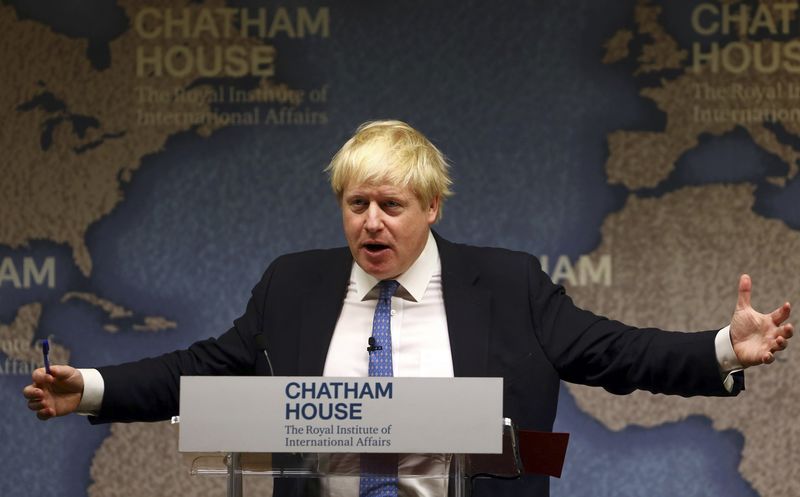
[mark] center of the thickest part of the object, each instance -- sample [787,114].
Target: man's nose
[373,221]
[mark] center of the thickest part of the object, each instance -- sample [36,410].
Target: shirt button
[394,313]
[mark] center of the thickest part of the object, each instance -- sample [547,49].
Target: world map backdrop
[156,156]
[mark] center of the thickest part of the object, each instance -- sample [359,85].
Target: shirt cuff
[726,357]
[93,388]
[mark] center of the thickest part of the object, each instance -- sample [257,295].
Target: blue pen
[46,353]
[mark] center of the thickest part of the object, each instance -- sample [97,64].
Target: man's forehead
[383,189]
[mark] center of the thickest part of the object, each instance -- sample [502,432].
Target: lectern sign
[313,414]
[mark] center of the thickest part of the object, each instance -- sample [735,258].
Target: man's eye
[391,204]
[358,204]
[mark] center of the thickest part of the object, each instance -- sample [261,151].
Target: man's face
[386,227]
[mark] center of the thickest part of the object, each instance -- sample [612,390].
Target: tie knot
[388,287]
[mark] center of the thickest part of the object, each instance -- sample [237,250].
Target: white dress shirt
[420,340]
[420,347]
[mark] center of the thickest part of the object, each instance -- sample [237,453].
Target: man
[457,311]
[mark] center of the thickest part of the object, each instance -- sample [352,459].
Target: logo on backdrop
[237,45]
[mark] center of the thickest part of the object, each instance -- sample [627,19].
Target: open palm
[756,337]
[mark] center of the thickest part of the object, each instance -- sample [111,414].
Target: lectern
[439,433]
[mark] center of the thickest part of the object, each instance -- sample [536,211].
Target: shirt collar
[412,283]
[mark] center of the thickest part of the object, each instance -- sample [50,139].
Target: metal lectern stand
[459,470]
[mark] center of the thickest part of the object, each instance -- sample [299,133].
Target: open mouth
[375,248]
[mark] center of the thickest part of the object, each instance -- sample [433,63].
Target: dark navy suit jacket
[505,319]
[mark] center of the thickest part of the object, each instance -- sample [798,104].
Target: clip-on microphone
[261,344]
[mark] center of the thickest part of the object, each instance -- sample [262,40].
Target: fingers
[62,372]
[745,286]
[40,377]
[34,395]
[38,403]
[32,392]
[781,314]
[785,332]
[45,414]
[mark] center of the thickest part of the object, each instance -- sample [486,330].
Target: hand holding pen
[55,391]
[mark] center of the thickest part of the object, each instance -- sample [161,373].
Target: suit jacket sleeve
[148,390]
[592,350]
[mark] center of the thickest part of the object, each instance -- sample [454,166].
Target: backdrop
[157,155]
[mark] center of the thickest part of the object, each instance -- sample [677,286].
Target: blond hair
[393,153]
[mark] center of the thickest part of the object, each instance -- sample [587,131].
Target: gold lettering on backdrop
[740,55]
[294,22]
[31,273]
[175,59]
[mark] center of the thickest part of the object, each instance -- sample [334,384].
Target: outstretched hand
[55,394]
[756,337]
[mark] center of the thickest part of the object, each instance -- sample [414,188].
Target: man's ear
[433,210]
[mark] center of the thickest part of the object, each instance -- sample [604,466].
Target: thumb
[61,372]
[65,374]
[745,287]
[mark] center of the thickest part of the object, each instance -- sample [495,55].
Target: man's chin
[382,274]
[381,271]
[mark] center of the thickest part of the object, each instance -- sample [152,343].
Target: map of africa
[653,285]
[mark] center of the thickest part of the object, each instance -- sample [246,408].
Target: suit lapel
[468,309]
[320,309]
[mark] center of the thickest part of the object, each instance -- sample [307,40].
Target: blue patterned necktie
[379,471]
